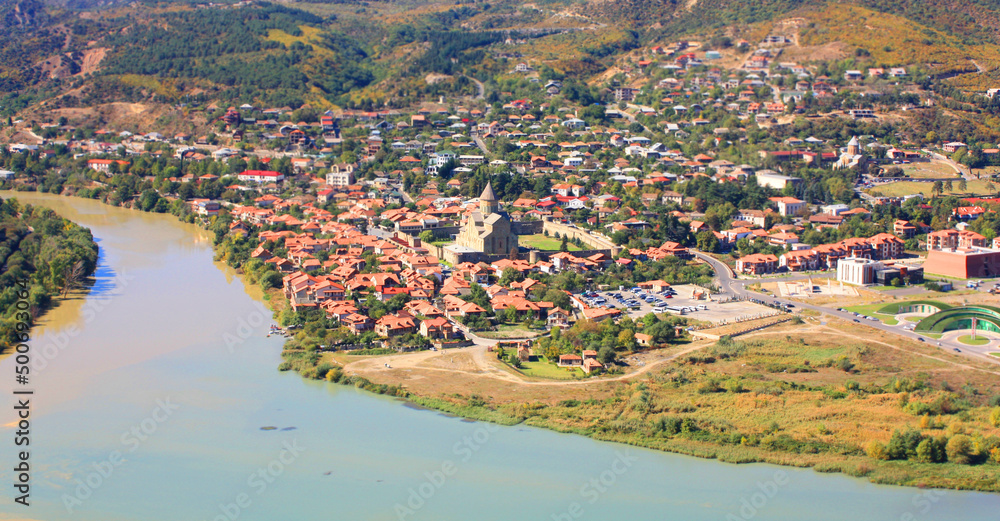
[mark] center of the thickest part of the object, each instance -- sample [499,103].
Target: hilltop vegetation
[368,54]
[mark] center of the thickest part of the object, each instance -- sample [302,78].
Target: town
[422,228]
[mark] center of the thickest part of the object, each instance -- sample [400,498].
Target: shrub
[995,417]
[930,451]
[877,450]
[959,449]
[709,386]
[323,369]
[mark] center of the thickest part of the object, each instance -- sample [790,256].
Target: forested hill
[49,252]
[71,54]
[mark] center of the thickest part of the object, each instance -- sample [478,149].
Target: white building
[261,176]
[788,205]
[6,175]
[775,180]
[857,271]
[340,176]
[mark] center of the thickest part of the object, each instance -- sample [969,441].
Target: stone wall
[527,227]
[597,242]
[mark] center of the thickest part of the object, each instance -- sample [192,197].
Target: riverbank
[46,259]
[761,404]
[805,396]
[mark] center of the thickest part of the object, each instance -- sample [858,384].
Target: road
[480,87]
[731,286]
[631,118]
[481,144]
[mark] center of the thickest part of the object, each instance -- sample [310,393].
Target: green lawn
[913,318]
[871,310]
[543,369]
[545,243]
[978,341]
[996,354]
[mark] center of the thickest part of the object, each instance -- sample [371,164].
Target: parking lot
[639,304]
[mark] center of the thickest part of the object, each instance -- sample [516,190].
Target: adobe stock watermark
[259,480]
[245,327]
[922,504]
[593,489]
[55,343]
[132,439]
[435,480]
[752,504]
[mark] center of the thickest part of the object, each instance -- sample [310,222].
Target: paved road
[731,286]
[481,144]
[631,118]
[479,87]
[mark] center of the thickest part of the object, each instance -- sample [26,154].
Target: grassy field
[510,331]
[978,341]
[932,169]
[545,243]
[543,369]
[975,187]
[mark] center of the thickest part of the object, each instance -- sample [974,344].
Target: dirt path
[478,362]
[483,365]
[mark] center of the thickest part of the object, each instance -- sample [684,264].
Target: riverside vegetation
[53,254]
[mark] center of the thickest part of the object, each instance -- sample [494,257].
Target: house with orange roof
[394,325]
[437,328]
[757,264]
[357,323]
[799,260]
[455,306]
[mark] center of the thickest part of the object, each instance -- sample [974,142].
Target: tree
[707,242]
[558,298]
[426,236]
[563,244]
[185,192]
[959,449]
[929,451]
[937,188]
[626,339]
[73,275]
[607,356]
[963,185]
[271,279]
[510,275]
[510,314]
[995,417]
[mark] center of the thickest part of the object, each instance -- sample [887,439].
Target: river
[155,394]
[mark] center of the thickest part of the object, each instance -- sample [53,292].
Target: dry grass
[895,40]
[974,188]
